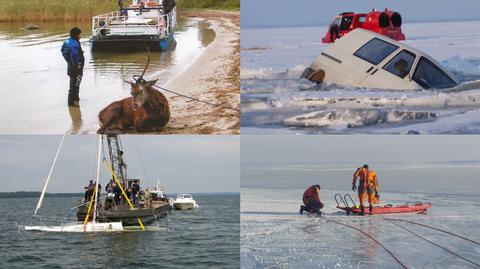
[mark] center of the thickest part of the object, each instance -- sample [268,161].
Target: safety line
[123,191]
[437,229]
[371,237]
[435,244]
[196,99]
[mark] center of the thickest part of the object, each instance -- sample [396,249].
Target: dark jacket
[73,54]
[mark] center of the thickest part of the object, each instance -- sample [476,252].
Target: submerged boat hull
[390,209]
[79,228]
[128,217]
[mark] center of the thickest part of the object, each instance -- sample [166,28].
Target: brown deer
[146,111]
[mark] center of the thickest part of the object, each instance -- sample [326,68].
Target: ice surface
[273,97]
[275,235]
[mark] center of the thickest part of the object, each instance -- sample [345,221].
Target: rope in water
[371,237]
[437,229]
[437,245]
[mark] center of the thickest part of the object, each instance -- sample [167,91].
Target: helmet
[365,166]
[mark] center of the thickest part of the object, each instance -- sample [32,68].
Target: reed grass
[83,10]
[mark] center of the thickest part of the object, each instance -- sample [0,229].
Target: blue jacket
[72,52]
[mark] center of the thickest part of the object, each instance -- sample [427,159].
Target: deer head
[139,88]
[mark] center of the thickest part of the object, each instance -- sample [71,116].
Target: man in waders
[311,200]
[73,54]
[367,184]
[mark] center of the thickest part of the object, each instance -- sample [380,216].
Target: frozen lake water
[273,59]
[275,235]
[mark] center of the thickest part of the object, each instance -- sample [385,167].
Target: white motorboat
[184,202]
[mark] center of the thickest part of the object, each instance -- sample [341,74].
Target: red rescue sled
[390,209]
[346,200]
[387,22]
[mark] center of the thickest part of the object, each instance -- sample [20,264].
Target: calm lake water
[207,237]
[34,84]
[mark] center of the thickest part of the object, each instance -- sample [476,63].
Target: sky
[425,163]
[359,148]
[183,164]
[283,13]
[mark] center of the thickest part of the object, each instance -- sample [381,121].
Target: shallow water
[274,100]
[207,237]
[275,235]
[34,85]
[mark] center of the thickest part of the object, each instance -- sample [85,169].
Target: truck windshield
[375,50]
[428,75]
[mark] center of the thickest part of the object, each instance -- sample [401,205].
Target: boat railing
[162,26]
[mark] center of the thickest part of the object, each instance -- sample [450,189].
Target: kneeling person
[311,200]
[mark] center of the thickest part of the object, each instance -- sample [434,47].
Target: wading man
[73,54]
[311,200]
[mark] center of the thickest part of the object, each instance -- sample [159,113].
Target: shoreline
[219,83]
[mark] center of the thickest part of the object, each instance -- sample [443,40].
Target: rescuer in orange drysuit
[311,200]
[368,183]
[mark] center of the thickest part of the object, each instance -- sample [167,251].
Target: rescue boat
[387,23]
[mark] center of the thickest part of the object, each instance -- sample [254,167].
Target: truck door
[394,74]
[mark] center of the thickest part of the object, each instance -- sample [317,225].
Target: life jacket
[310,194]
[371,178]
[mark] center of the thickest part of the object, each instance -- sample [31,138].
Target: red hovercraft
[387,22]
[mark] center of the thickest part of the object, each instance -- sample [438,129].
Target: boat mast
[97,179]
[40,201]
[116,159]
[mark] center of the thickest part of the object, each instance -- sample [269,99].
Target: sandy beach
[212,77]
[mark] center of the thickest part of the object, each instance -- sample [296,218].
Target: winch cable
[371,237]
[198,100]
[435,244]
[437,229]
[138,78]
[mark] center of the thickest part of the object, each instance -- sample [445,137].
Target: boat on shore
[184,202]
[144,23]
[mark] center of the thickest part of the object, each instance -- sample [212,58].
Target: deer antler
[146,66]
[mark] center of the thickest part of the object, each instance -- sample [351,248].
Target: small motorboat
[417,207]
[387,23]
[184,202]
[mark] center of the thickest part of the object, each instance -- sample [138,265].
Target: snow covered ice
[274,100]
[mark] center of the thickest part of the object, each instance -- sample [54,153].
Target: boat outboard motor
[383,20]
[396,19]
[168,5]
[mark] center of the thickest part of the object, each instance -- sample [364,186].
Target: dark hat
[317,186]
[365,166]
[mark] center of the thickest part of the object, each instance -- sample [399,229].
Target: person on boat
[73,54]
[89,192]
[117,193]
[311,200]
[367,184]
[135,191]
